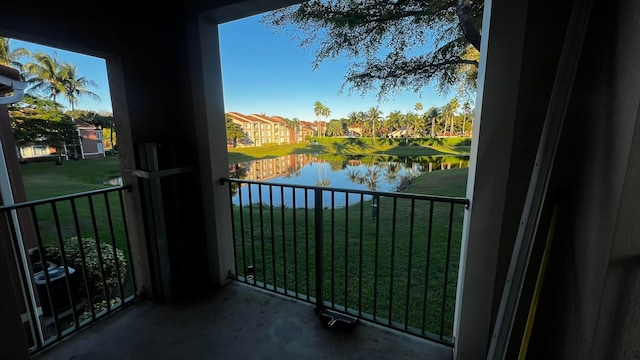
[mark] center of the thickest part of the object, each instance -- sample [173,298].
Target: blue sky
[92,68]
[269,73]
[263,72]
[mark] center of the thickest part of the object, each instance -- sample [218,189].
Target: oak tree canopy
[393,44]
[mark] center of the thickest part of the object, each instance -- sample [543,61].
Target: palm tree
[335,128]
[453,105]
[466,110]
[11,58]
[325,113]
[53,77]
[433,114]
[395,120]
[354,119]
[44,75]
[448,112]
[321,111]
[293,124]
[417,123]
[75,87]
[374,115]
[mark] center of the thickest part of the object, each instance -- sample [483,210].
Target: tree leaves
[393,44]
[41,121]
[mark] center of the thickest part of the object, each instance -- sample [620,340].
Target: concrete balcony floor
[235,322]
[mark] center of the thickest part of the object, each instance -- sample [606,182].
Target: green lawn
[45,179]
[361,265]
[453,146]
[362,253]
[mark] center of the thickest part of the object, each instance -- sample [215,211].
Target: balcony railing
[72,261]
[389,258]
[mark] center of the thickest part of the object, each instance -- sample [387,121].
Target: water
[375,173]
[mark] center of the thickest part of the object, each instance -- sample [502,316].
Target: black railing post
[319,229]
[58,313]
[390,263]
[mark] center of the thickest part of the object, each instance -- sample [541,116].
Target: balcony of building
[236,322]
[384,287]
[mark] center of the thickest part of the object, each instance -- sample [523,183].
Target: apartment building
[261,129]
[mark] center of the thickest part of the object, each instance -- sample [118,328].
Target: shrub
[91,265]
[99,307]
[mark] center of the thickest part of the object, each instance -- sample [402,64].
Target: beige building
[273,130]
[262,129]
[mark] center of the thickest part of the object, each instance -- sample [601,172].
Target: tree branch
[467,25]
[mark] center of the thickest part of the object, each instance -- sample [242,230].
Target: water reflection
[373,172]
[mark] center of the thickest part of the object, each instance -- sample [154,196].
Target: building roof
[84,125]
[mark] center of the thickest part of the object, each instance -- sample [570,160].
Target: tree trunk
[466,24]
[451,132]
[464,124]
[433,127]
[59,156]
[373,129]
[111,136]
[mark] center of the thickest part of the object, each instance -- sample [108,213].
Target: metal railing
[389,258]
[72,261]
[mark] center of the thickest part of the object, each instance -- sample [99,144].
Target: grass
[357,146]
[363,254]
[44,180]
[281,249]
[98,217]
[452,182]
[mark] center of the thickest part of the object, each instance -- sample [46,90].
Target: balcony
[71,262]
[389,258]
[364,274]
[236,322]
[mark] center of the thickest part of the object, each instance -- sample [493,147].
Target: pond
[372,172]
